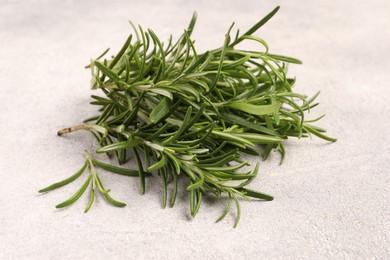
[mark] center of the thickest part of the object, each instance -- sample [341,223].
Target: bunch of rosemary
[178,112]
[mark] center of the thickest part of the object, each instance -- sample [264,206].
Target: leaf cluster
[179,112]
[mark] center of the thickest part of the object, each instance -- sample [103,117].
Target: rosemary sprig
[183,113]
[93,179]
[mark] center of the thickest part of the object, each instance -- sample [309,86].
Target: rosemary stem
[73,128]
[191,114]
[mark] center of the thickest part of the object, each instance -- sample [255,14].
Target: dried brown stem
[73,128]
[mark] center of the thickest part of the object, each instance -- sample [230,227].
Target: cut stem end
[73,129]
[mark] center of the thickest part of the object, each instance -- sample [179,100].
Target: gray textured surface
[332,201]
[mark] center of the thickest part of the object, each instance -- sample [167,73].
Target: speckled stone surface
[331,200]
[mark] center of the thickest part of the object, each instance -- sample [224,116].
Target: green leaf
[256,26]
[140,169]
[104,53]
[198,183]
[232,176]
[259,138]
[107,196]
[164,188]
[190,90]
[223,50]
[232,137]
[198,62]
[106,114]
[257,39]
[158,165]
[107,72]
[66,181]
[174,191]
[255,194]
[131,116]
[249,180]
[191,26]
[162,92]
[200,83]
[227,168]
[226,211]
[158,43]
[243,122]
[121,52]
[158,132]
[77,195]
[198,202]
[236,63]
[118,146]
[160,110]
[91,198]
[113,201]
[175,162]
[284,58]
[238,209]
[196,117]
[255,109]
[211,159]
[181,129]
[317,133]
[116,169]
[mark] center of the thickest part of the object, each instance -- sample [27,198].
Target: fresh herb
[179,112]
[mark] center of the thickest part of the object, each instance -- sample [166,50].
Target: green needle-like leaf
[250,125]
[226,211]
[238,209]
[66,181]
[284,58]
[260,138]
[255,109]
[121,52]
[160,110]
[91,198]
[174,191]
[257,26]
[116,169]
[181,129]
[159,164]
[77,195]
[140,169]
[106,71]
[118,146]
[256,194]
[164,189]
[107,196]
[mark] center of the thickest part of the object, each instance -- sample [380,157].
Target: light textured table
[331,200]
